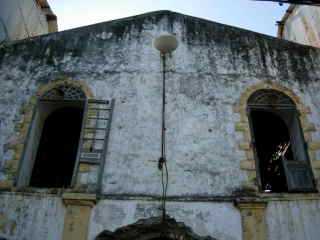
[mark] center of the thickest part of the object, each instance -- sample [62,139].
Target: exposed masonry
[210,77]
[218,220]
[153,228]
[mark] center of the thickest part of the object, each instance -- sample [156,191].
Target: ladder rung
[92,128]
[107,102]
[92,161]
[96,139]
[88,151]
[102,109]
[98,118]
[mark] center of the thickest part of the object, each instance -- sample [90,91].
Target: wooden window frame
[288,173]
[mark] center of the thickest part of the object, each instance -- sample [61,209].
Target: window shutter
[299,176]
[297,138]
[94,134]
[298,171]
[29,150]
[254,146]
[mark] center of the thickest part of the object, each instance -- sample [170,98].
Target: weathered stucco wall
[24,217]
[209,71]
[219,220]
[207,75]
[293,220]
[302,25]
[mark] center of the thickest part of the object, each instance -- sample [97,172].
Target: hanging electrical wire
[162,160]
[165,44]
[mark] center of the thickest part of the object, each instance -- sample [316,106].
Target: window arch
[51,150]
[67,139]
[270,97]
[279,146]
[64,92]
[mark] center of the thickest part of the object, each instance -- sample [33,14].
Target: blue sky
[256,16]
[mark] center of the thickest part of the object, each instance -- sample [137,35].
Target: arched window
[278,142]
[51,152]
[67,129]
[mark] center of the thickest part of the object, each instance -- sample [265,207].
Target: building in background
[301,24]
[21,19]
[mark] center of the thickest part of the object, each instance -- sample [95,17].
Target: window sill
[68,196]
[289,196]
[39,191]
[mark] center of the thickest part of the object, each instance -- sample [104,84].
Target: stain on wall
[213,65]
[293,220]
[219,220]
[24,217]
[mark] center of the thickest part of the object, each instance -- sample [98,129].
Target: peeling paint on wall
[207,75]
[25,217]
[293,220]
[219,220]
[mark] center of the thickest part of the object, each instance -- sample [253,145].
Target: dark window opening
[271,139]
[57,151]
[280,149]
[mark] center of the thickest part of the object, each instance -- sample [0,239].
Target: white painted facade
[207,75]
